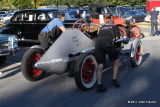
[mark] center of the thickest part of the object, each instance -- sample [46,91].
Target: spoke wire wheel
[137,58]
[32,60]
[135,32]
[88,71]
[85,75]
[122,31]
[28,61]
[139,54]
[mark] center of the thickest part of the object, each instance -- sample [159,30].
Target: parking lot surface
[139,86]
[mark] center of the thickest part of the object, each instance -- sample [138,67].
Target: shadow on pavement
[13,71]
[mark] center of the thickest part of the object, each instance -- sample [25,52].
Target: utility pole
[57,3]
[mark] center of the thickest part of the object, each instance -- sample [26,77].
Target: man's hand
[63,28]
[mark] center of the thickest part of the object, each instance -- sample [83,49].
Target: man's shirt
[154,15]
[107,33]
[56,22]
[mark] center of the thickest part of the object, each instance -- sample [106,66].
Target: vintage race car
[110,12]
[72,52]
[8,46]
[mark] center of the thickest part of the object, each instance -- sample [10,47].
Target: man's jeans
[154,26]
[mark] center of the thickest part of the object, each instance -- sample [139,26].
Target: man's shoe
[101,88]
[115,84]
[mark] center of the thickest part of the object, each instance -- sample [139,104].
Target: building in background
[152,3]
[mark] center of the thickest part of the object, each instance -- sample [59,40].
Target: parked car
[2,15]
[6,18]
[142,8]
[8,46]
[27,24]
[127,29]
[72,12]
[134,15]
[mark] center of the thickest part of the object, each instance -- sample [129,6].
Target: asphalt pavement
[139,86]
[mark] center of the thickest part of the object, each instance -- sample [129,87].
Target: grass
[147,24]
[143,24]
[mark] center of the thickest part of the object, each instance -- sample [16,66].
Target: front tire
[29,59]
[85,71]
[136,60]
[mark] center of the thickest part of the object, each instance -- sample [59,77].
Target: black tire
[85,71]
[27,66]
[123,31]
[136,60]
[2,59]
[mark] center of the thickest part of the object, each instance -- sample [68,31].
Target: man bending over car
[104,45]
[52,30]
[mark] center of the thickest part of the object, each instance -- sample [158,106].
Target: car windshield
[72,12]
[131,13]
[111,10]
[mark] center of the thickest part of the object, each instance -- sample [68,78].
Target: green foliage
[22,4]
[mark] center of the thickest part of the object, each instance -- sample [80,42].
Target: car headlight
[129,18]
[4,45]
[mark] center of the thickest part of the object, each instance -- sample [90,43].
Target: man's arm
[63,28]
[60,25]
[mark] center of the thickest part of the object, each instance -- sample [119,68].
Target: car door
[40,21]
[23,22]
[138,16]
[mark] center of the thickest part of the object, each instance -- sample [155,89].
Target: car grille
[4,45]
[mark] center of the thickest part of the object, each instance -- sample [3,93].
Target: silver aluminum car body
[57,57]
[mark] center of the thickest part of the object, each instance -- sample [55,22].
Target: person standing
[77,14]
[84,15]
[104,45]
[154,24]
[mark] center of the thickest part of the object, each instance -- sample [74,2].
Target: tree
[36,3]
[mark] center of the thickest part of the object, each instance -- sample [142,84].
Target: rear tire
[2,59]
[29,59]
[136,60]
[85,71]
[123,31]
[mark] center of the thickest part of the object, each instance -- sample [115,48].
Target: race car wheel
[2,59]
[28,61]
[135,32]
[136,60]
[85,71]
[123,31]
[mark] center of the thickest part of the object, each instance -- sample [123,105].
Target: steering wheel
[81,27]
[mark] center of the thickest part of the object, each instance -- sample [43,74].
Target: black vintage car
[27,24]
